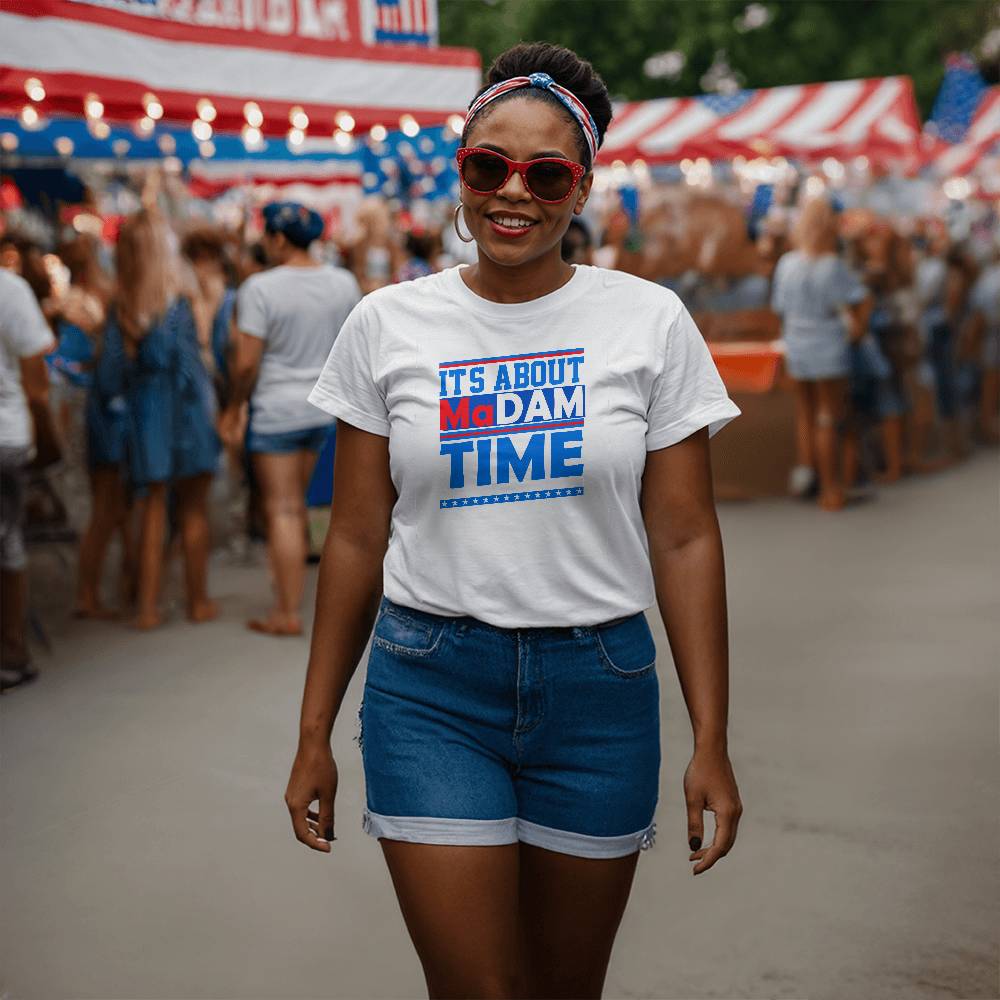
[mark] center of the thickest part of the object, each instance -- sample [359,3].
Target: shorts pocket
[627,648]
[407,635]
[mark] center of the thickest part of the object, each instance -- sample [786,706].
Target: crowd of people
[191,357]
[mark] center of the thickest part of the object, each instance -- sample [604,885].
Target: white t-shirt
[23,333]
[297,312]
[518,436]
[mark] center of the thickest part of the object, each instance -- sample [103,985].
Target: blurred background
[147,733]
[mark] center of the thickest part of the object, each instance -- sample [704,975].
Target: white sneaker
[801,480]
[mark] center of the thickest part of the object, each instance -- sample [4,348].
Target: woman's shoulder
[409,294]
[630,291]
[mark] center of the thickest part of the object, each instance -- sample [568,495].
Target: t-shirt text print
[517,438]
[513,420]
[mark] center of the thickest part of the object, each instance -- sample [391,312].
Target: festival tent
[876,118]
[273,66]
[964,125]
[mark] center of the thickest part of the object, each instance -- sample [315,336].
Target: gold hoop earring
[458,232]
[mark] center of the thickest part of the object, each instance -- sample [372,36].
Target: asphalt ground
[147,852]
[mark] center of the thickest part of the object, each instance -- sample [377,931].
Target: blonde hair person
[152,358]
[822,304]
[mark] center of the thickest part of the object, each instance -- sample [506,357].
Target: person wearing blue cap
[287,318]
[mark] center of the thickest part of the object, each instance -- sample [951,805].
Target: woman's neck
[300,258]
[521,283]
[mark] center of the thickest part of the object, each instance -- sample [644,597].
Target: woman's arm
[347,599]
[685,548]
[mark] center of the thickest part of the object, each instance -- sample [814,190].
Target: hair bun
[565,67]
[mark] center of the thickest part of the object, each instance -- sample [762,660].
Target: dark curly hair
[567,69]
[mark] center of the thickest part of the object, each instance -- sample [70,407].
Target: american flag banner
[964,124]
[268,64]
[873,117]
[400,22]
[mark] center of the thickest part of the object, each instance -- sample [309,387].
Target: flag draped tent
[964,125]
[271,66]
[877,118]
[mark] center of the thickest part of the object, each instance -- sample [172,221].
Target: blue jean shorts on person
[287,442]
[472,734]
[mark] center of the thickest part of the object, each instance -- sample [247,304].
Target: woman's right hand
[314,777]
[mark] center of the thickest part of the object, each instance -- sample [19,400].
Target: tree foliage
[805,41]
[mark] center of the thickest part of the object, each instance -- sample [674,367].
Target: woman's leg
[107,510]
[280,478]
[192,498]
[831,396]
[152,531]
[989,405]
[460,906]
[570,911]
[805,411]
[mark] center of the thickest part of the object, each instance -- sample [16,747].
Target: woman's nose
[515,189]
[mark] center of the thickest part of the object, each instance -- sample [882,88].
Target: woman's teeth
[511,223]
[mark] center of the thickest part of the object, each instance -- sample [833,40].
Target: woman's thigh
[570,909]
[280,479]
[460,907]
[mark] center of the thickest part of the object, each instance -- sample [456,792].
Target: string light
[64,145]
[201,130]
[154,109]
[206,149]
[253,114]
[296,137]
[99,129]
[456,123]
[120,147]
[145,126]
[252,137]
[29,116]
[345,121]
[298,118]
[34,89]
[344,140]
[92,106]
[167,144]
[8,142]
[409,125]
[206,110]
[378,133]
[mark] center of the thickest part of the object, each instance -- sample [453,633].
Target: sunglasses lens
[483,171]
[550,181]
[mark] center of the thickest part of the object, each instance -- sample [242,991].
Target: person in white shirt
[287,319]
[522,469]
[25,339]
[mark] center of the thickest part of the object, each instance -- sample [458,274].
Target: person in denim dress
[522,469]
[153,359]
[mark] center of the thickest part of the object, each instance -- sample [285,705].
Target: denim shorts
[285,442]
[479,735]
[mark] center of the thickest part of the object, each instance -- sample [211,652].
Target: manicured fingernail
[695,843]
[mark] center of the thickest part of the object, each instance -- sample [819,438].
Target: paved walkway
[147,851]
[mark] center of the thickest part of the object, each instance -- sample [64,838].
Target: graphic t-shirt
[297,312]
[23,333]
[518,435]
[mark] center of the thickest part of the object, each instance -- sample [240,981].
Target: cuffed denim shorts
[472,734]
[285,442]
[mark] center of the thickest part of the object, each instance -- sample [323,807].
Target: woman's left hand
[709,784]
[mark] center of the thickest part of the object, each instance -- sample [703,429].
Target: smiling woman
[522,469]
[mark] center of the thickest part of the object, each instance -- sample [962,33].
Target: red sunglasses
[550,179]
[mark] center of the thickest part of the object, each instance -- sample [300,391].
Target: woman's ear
[584,193]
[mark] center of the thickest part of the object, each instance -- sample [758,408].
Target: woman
[820,302]
[287,319]
[512,435]
[152,356]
